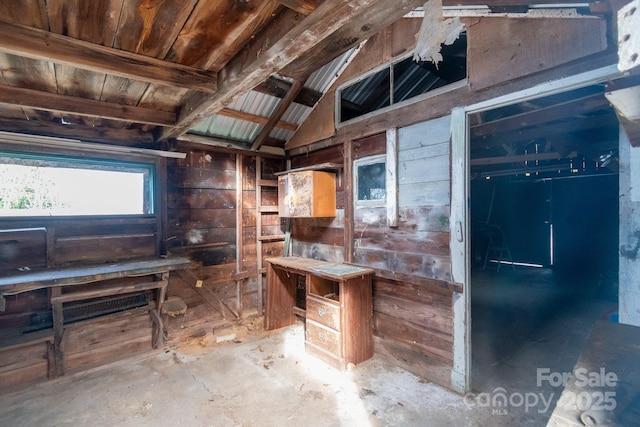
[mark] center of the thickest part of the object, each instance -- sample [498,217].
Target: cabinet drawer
[324,337]
[323,312]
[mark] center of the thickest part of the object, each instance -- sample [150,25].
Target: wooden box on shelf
[307,194]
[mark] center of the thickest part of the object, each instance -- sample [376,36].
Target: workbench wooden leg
[158,332]
[58,332]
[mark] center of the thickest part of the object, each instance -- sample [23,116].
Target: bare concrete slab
[264,380]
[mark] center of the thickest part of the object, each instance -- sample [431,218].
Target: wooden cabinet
[338,324]
[307,194]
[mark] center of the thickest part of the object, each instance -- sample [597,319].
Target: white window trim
[359,204]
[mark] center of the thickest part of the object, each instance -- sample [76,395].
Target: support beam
[543,115]
[84,107]
[520,158]
[241,115]
[303,7]
[329,18]
[42,45]
[78,131]
[279,88]
[275,117]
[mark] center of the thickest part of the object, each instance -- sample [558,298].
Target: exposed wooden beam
[520,158]
[38,44]
[241,115]
[370,22]
[84,107]
[275,117]
[544,130]
[554,112]
[279,88]
[507,3]
[79,131]
[303,7]
[328,18]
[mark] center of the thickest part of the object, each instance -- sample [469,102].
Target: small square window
[370,181]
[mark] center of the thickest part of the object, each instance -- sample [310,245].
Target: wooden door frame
[460,198]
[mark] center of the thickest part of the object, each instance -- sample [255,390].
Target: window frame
[393,105]
[148,167]
[365,161]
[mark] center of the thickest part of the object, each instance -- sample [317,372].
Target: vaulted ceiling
[144,72]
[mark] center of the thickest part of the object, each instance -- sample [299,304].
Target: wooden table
[338,311]
[57,279]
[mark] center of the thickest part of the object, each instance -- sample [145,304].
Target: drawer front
[323,312]
[324,337]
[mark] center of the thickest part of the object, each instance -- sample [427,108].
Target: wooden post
[348,201]
[239,231]
[392,177]
[58,332]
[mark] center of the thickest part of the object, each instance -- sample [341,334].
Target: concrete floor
[527,319]
[521,321]
[261,381]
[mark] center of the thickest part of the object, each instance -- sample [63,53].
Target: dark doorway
[544,225]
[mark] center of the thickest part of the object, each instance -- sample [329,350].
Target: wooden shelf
[268,209]
[268,183]
[320,167]
[273,238]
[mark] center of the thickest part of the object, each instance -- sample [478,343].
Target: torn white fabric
[435,31]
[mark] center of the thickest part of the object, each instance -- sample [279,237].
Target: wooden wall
[213,220]
[208,202]
[38,242]
[412,307]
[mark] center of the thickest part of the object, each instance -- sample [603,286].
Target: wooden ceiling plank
[34,43]
[32,14]
[277,115]
[303,7]
[150,27]
[88,20]
[84,107]
[213,27]
[328,18]
[554,112]
[236,39]
[241,115]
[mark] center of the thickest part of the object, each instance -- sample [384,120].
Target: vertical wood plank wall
[412,300]
[204,225]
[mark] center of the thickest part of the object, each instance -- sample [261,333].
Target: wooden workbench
[63,284]
[338,307]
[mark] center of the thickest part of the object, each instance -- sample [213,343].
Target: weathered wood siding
[420,244]
[212,220]
[321,238]
[412,295]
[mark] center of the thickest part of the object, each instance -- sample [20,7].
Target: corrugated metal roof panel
[282,134]
[322,78]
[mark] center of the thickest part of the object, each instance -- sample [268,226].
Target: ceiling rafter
[359,16]
[277,115]
[279,88]
[84,106]
[543,115]
[241,115]
[42,45]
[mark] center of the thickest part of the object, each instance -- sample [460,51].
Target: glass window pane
[39,187]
